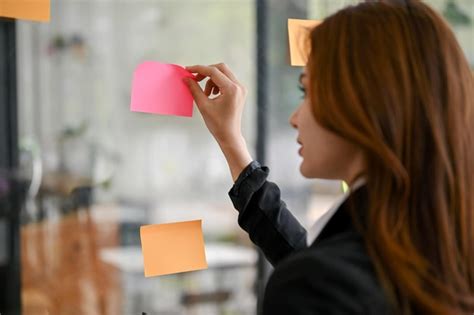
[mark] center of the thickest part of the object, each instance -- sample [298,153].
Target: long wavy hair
[390,77]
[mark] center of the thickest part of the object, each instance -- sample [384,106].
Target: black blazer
[332,276]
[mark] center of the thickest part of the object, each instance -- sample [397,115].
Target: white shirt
[324,219]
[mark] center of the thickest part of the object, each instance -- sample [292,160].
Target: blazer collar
[342,220]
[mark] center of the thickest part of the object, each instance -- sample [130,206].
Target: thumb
[196,91]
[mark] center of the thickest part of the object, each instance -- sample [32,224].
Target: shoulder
[333,277]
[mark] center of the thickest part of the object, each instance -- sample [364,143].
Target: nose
[293,119]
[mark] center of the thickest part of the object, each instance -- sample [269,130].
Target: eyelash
[302,89]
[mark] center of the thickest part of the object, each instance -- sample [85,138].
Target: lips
[300,151]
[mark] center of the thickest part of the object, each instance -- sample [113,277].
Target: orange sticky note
[35,10]
[298,31]
[172,247]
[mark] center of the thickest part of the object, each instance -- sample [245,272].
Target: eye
[302,89]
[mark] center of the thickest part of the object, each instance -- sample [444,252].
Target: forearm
[263,214]
[236,155]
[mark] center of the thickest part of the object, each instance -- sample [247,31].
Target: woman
[389,109]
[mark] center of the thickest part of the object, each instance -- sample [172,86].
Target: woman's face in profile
[325,154]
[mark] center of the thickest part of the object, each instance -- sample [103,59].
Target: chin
[312,172]
[304,171]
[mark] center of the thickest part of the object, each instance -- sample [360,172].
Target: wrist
[236,154]
[232,143]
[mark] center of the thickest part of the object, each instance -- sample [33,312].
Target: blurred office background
[98,171]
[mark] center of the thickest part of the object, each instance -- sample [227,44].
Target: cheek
[324,153]
[318,159]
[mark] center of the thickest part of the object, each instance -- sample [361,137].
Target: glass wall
[100,171]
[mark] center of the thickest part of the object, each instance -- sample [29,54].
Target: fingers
[200,77]
[217,76]
[196,91]
[209,87]
[226,70]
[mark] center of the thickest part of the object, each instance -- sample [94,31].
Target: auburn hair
[390,77]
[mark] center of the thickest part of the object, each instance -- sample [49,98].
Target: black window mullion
[11,195]
[263,267]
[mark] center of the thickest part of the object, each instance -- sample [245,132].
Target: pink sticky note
[158,88]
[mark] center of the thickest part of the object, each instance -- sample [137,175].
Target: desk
[221,257]
[218,256]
